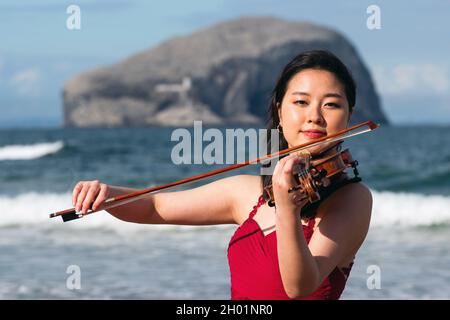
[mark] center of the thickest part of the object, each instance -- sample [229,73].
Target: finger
[299,202]
[279,178]
[290,168]
[93,191]
[277,171]
[277,168]
[289,163]
[81,196]
[283,161]
[286,158]
[100,197]
[76,191]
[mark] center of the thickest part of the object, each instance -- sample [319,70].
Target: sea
[406,254]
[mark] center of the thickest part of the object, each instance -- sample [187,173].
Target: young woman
[294,250]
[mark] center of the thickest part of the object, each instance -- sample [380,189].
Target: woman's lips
[313,134]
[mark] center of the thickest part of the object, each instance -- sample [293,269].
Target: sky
[408,55]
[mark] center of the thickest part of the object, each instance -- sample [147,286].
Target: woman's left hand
[283,180]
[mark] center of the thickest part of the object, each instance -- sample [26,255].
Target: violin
[310,179]
[312,176]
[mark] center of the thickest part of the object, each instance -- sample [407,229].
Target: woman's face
[314,105]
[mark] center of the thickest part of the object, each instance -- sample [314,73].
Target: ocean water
[406,254]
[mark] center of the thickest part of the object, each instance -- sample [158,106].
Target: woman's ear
[279,113]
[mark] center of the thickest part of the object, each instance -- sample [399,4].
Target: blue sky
[408,56]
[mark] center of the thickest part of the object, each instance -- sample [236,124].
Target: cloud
[412,79]
[25,82]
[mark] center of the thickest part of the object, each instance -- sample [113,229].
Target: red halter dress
[254,269]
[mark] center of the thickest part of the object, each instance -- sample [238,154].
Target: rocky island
[221,75]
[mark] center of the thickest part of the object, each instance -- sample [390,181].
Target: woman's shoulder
[353,199]
[355,192]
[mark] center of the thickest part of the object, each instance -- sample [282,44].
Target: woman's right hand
[86,193]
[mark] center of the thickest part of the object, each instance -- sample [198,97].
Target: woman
[275,253]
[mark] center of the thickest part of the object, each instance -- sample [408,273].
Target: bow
[71,214]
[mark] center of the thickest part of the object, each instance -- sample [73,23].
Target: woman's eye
[333,105]
[300,102]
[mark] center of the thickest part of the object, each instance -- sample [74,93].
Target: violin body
[313,175]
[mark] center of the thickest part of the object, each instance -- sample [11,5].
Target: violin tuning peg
[325,182]
[323,173]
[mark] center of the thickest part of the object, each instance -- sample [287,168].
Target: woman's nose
[315,114]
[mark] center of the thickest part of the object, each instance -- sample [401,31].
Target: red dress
[254,269]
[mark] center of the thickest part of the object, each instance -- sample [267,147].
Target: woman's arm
[343,227]
[136,211]
[213,203]
[341,231]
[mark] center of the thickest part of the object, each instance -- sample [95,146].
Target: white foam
[33,209]
[29,152]
[409,209]
[389,209]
